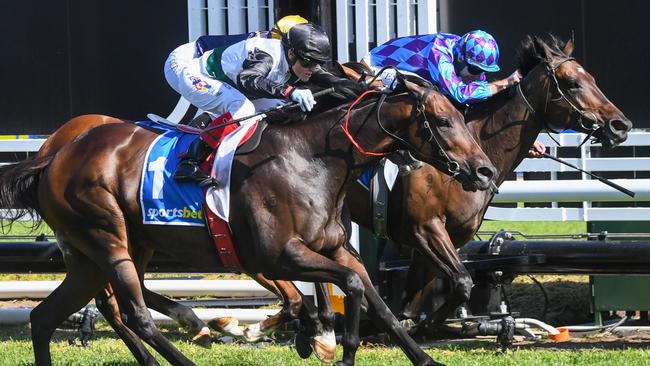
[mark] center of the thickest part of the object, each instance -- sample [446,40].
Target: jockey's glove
[304,98]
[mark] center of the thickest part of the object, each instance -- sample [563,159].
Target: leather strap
[220,233]
[379,193]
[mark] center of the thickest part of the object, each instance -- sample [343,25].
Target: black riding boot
[188,169]
[405,161]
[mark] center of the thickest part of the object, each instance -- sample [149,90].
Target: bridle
[442,161]
[582,114]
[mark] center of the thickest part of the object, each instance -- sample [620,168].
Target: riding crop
[604,180]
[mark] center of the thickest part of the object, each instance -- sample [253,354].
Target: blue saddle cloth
[163,200]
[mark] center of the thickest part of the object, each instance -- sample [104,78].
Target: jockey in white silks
[252,75]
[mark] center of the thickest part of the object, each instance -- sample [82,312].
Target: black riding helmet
[309,42]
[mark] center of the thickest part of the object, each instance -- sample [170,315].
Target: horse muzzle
[614,132]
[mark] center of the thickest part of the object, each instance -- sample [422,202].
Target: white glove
[388,77]
[305,98]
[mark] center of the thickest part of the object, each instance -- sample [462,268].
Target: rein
[451,167]
[582,115]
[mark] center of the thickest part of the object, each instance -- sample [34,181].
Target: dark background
[62,58]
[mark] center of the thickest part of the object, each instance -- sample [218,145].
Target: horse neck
[507,133]
[364,128]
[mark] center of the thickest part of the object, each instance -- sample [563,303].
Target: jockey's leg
[213,96]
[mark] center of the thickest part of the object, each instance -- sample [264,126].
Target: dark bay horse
[436,216]
[289,196]
[556,93]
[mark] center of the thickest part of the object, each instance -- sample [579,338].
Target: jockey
[248,76]
[456,64]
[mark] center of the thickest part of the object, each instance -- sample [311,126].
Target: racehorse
[556,93]
[289,195]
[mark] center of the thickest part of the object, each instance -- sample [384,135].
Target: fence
[583,190]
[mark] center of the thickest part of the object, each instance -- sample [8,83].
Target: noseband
[582,115]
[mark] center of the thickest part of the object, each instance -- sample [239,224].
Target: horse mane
[531,51]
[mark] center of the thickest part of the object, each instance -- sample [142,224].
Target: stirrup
[208,182]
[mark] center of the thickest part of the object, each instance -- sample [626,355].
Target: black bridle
[582,114]
[442,161]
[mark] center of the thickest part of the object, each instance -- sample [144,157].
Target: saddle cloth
[163,200]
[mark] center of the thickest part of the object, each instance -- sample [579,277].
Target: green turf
[110,351]
[540,227]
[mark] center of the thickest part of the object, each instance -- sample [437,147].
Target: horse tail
[19,188]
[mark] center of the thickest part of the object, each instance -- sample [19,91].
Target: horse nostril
[486,172]
[618,125]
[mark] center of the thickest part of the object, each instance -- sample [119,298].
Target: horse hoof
[303,346]
[202,338]
[325,346]
[253,333]
[407,324]
[227,325]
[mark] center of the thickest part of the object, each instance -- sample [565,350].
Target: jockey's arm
[253,77]
[324,78]
[499,85]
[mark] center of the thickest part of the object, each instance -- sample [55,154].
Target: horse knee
[293,306]
[354,285]
[463,287]
[141,323]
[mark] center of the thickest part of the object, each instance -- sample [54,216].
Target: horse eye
[444,122]
[573,83]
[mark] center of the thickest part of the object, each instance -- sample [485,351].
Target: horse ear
[413,88]
[568,47]
[542,49]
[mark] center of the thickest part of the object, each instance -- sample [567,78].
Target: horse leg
[107,305]
[434,242]
[82,281]
[198,330]
[302,264]
[291,307]
[379,312]
[126,284]
[324,343]
[184,315]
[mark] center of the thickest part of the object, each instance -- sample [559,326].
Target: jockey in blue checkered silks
[457,64]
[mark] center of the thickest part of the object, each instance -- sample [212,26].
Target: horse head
[572,100]
[441,138]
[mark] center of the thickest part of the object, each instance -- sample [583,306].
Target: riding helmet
[478,48]
[282,26]
[309,42]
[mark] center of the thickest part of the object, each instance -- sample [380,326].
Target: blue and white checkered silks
[430,56]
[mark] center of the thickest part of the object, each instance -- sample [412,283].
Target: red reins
[345,129]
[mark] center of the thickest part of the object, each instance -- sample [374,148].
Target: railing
[373,22]
[582,190]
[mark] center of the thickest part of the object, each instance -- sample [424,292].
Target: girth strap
[379,194]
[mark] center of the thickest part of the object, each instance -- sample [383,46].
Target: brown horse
[289,195]
[427,212]
[436,217]
[556,93]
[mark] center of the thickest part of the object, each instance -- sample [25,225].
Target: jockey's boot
[201,121]
[405,161]
[188,170]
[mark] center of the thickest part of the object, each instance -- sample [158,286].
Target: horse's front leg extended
[299,263]
[379,312]
[434,243]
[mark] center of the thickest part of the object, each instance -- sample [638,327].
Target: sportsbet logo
[185,212]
